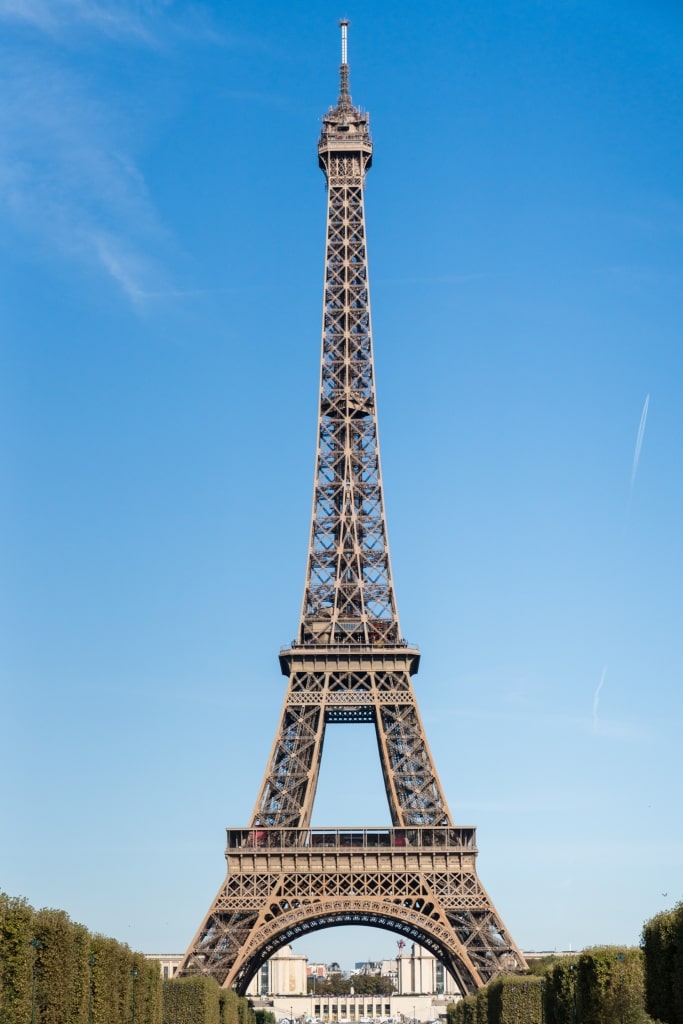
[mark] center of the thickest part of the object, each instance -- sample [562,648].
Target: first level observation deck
[334,850]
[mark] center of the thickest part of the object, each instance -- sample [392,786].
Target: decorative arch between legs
[283,922]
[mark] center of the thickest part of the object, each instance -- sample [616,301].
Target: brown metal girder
[270,785]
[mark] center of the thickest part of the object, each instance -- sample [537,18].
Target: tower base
[285,883]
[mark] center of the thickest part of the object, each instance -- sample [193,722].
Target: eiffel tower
[349,664]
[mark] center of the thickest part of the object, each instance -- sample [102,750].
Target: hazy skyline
[162,224]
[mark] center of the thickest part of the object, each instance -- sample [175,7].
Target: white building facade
[283,975]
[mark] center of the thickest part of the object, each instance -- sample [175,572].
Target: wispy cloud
[69,176]
[58,18]
[151,23]
[32,12]
[128,268]
[639,439]
[68,179]
[596,698]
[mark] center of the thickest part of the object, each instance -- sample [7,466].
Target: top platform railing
[350,645]
[425,837]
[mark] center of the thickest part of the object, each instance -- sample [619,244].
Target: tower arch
[411,920]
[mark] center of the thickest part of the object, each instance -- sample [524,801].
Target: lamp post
[572,968]
[620,980]
[92,960]
[35,943]
[133,975]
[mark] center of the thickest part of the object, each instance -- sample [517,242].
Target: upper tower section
[345,132]
[348,596]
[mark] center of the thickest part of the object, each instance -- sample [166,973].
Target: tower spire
[349,596]
[344,94]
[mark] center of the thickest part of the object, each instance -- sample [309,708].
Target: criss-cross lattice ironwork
[339,685]
[349,664]
[348,598]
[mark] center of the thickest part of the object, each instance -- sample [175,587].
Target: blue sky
[161,251]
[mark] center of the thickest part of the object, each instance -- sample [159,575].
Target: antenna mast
[344,95]
[344,25]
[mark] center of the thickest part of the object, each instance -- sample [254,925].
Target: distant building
[319,972]
[168,963]
[283,975]
[287,973]
[368,967]
[413,972]
[545,954]
[420,971]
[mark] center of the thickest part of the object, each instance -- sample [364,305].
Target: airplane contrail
[596,698]
[639,439]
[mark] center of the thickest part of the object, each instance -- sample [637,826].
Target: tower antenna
[344,25]
[344,94]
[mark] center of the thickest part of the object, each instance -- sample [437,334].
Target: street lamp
[35,943]
[572,968]
[133,975]
[92,960]
[620,980]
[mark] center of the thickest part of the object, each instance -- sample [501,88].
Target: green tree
[371,984]
[334,985]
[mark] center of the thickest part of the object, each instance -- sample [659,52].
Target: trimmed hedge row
[201,1001]
[600,986]
[53,971]
[663,947]
[507,1000]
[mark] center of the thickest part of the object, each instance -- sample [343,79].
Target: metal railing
[424,837]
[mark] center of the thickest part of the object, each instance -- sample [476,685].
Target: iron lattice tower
[349,664]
